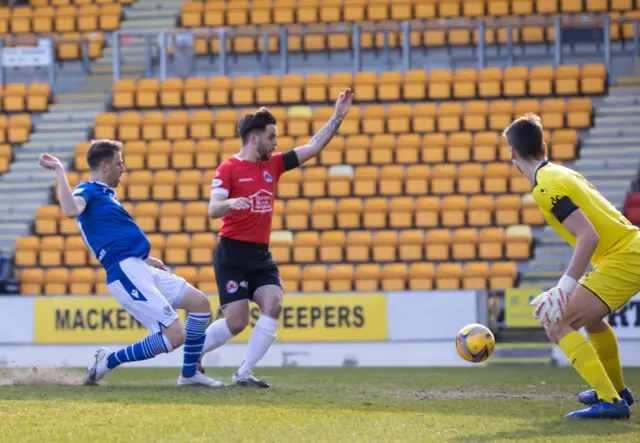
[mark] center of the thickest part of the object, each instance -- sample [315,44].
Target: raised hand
[50,162]
[344,102]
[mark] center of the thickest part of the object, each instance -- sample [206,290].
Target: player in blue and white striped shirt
[140,283]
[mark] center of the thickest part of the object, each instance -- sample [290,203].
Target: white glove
[550,305]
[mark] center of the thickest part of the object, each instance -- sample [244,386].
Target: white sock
[217,334]
[262,337]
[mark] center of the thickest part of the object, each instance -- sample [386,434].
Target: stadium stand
[414,195]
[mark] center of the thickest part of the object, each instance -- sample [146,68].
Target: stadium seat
[81,281]
[475,275]
[438,245]
[464,244]
[75,251]
[448,276]
[340,278]
[31,281]
[502,275]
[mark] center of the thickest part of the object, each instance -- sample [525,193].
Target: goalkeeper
[599,233]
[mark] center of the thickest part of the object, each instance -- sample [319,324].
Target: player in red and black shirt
[243,194]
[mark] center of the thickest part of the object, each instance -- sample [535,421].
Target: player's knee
[202,304]
[175,334]
[274,307]
[238,322]
[559,330]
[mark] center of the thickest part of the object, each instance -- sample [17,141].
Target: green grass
[484,404]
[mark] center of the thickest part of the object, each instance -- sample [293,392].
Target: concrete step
[610,174]
[628,80]
[27,196]
[11,227]
[26,209]
[108,69]
[90,106]
[611,164]
[69,137]
[34,183]
[606,139]
[154,14]
[66,117]
[68,126]
[628,151]
[616,110]
[52,148]
[28,156]
[618,120]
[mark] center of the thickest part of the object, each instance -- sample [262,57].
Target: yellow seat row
[400,212]
[414,85]
[68,44]
[37,3]
[6,155]
[308,278]
[490,243]
[457,147]
[19,97]
[15,128]
[284,12]
[47,19]
[372,120]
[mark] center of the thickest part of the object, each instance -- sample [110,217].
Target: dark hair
[255,123]
[526,137]
[102,150]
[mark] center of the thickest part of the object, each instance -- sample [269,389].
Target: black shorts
[241,268]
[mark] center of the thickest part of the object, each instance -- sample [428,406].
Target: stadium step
[536,350]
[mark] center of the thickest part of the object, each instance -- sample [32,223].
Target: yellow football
[475,343]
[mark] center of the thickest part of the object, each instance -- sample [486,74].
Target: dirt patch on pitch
[39,377]
[460,393]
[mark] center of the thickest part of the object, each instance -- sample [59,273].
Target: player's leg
[233,291]
[132,285]
[586,308]
[181,295]
[268,296]
[604,342]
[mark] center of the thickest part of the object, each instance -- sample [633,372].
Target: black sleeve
[563,208]
[290,160]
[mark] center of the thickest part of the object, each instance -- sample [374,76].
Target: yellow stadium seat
[411,245]
[349,212]
[147,93]
[365,86]
[314,182]
[567,77]
[495,178]
[385,246]
[490,82]
[552,113]
[340,278]
[394,276]
[401,212]
[453,211]
[475,275]
[373,119]
[176,125]
[358,246]
[225,123]
[138,186]
[470,178]
[171,93]
[459,147]
[55,281]
[164,184]
[195,217]
[518,242]
[218,91]
[170,217]
[15,95]
[297,214]
[448,276]
[579,113]
[437,245]
[201,124]
[443,178]
[502,275]
[421,276]
[182,153]
[289,184]
[145,215]
[51,248]
[158,154]
[315,87]
[81,281]
[75,251]
[280,246]
[367,277]
[490,243]
[291,87]
[243,91]
[433,147]
[153,126]
[31,281]
[26,251]
[464,83]
[464,244]
[414,85]
[323,213]
[305,247]
[177,247]
[391,180]
[38,97]
[375,213]
[449,114]
[508,210]
[541,81]
[314,278]
[424,117]
[366,181]
[47,219]
[439,86]
[515,81]
[207,280]
[389,86]
[593,79]
[331,249]
[417,179]
[500,114]
[427,212]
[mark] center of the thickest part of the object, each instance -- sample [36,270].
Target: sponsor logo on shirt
[261,201]
[267,177]
[244,284]
[249,179]
[231,286]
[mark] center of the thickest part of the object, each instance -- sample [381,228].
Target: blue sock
[196,331]
[147,348]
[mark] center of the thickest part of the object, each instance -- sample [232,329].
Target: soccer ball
[475,343]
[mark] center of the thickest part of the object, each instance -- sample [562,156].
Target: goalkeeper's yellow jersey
[559,191]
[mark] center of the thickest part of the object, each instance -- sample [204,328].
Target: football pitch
[483,404]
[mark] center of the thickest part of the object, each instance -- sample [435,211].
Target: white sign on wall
[27,57]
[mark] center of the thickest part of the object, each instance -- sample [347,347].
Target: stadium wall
[357,329]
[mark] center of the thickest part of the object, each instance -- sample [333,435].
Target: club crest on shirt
[267,177]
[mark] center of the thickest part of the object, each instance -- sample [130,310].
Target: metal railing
[598,26]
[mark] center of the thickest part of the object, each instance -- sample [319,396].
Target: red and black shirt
[257,181]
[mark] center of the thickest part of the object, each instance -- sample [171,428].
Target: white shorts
[149,294]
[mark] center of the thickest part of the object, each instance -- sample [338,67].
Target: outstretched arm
[324,135]
[71,206]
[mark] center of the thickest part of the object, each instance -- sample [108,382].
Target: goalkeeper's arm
[587,240]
